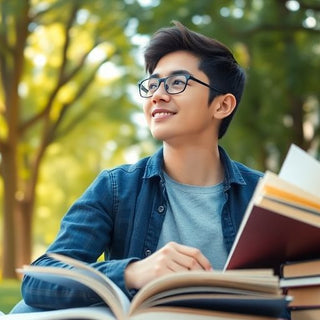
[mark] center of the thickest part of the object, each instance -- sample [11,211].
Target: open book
[253,294]
[282,221]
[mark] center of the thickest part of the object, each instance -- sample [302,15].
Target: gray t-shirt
[193,218]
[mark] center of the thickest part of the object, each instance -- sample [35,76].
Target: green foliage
[9,294]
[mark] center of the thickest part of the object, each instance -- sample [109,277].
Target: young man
[177,210]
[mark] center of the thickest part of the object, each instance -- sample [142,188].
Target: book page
[301,169]
[274,187]
[181,313]
[244,280]
[73,279]
[86,269]
[82,275]
[85,313]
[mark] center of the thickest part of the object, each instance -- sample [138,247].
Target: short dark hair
[216,61]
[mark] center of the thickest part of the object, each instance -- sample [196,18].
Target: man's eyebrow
[172,73]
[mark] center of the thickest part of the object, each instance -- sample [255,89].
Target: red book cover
[269,239]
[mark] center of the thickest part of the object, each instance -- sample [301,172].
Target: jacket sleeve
[85,234]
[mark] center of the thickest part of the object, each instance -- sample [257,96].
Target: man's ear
[224,105]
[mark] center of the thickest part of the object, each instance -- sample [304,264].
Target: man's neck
[193,165]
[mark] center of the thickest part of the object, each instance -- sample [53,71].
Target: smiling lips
[161,113]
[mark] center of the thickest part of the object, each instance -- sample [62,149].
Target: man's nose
[161,92]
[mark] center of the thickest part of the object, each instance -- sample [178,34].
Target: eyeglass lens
[173,84]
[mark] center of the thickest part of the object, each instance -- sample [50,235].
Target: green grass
[9,294]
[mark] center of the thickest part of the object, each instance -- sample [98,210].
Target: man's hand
[173,257]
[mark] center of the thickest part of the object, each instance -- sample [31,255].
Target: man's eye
[177,82]
[152,86]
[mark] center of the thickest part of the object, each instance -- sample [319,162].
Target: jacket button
[160,209]
[147,252]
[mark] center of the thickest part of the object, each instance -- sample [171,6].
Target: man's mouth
[161,114]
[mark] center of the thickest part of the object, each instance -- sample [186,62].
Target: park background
[69,105]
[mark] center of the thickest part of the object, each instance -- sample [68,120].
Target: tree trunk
[23,233]
[25,209]
[12,67]
[9,209]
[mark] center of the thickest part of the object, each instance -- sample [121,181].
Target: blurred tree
[277,42]
[51,54]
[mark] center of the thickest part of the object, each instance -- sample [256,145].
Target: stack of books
[194,295]
[282,221]
[301,281]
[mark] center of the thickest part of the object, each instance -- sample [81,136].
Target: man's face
[186,116]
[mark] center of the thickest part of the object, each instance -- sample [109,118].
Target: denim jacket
[121,215]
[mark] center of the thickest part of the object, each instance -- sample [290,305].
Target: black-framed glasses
[173,84]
